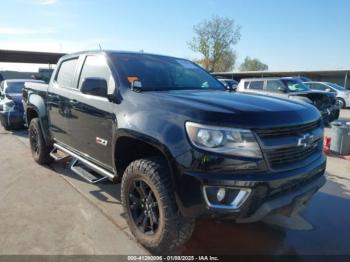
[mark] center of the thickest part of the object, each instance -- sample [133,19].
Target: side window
[256,85]
[65,76]
[309,85]
[274,85]
[320,87]
[96,66]
[246,83]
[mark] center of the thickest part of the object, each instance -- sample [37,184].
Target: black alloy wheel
[34,141]
[143,207]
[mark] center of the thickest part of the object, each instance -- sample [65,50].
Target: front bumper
[268,191]
[294,201]
[12,118]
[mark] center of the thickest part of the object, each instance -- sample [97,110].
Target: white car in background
[343,94]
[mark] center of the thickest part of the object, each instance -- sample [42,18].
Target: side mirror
[282,89]
[95,87]
[328,90]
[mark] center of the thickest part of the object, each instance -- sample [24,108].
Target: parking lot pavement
[41,213]
[322,228]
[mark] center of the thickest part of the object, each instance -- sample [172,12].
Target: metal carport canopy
[15,56]
[315,73]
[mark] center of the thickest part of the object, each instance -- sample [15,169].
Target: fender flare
[36,103]
[123,133]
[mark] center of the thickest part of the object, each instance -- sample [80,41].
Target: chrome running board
[54,155]
[83,167]
[84,172]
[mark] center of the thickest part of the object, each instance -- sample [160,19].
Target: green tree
[214,40]
[250,64]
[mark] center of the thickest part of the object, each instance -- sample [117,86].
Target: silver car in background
[343,94]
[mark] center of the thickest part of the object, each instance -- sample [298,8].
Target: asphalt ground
[50,210]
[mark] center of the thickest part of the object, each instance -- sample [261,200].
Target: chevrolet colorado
[182,146]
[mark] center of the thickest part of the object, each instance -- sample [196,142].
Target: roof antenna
[100,46]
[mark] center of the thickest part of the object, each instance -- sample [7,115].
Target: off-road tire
[40,151]
[6,126]
[173,229]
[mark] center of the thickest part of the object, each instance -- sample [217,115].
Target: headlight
[8,106]
[228,141]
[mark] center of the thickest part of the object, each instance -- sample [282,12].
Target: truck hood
[237,109]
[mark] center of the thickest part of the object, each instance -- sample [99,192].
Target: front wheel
[341,102]
[149,204]
[40,150]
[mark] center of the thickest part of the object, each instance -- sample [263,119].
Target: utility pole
[346,80]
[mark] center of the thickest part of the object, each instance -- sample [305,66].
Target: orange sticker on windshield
[132,79]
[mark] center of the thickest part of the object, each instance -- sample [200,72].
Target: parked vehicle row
[342,94]
[182,146]
[292,88]
[11,107]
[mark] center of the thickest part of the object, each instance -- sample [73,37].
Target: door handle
[73,102]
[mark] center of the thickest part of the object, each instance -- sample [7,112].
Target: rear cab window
[66,73]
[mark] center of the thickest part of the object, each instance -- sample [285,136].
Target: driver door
[92,120]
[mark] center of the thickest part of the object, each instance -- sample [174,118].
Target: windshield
[295,85]
[14,87]
[335,86]
[160,73]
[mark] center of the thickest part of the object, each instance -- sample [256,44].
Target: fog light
[220,195]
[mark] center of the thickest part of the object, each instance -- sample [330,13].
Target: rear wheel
[6,126]
[40,150]
[149,203]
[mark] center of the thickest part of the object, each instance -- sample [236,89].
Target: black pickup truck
[182,147]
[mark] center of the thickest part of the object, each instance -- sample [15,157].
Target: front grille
[288,131]
[281,157]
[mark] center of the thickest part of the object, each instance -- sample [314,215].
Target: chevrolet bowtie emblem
[306,140]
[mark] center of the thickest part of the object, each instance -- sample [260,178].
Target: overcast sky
[286,35]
